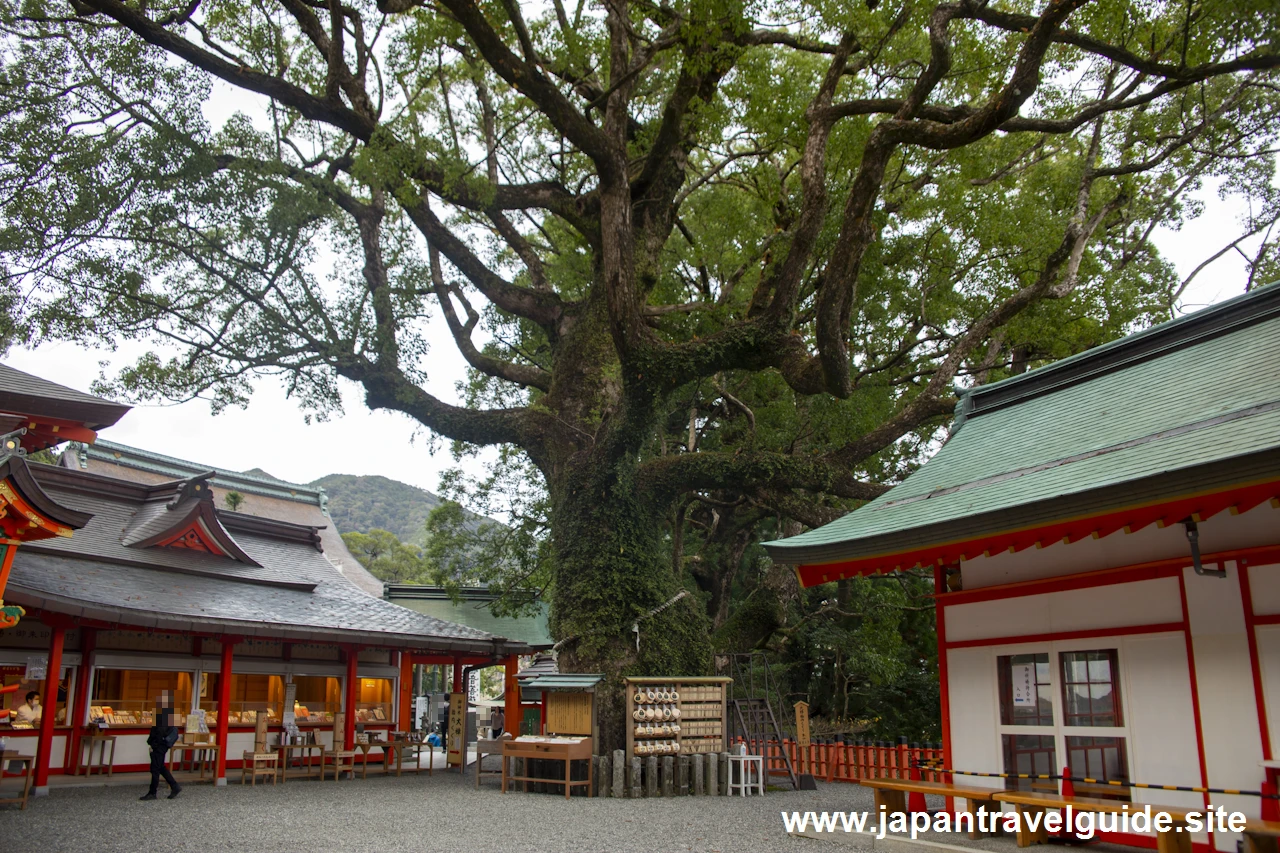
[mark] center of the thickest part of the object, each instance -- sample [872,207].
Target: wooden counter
[566,749]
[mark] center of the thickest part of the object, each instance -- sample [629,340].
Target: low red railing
[850,762]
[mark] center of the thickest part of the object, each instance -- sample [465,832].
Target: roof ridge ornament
[193,487]
[10,442]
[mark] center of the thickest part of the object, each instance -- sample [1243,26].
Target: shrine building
[1104,537]
[125,573]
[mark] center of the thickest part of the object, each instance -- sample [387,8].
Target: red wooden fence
[850,762]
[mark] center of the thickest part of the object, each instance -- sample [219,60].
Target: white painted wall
[1269,663]
[1224,677]
[1162,731]
[975,740]
[1264,584]
[1151,602]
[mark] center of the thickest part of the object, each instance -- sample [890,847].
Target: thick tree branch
[521,374]
[667,476]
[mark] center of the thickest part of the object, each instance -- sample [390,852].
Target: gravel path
[419,813]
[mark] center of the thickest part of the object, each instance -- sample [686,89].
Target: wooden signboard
[802,725]
[455,738]
[569,713]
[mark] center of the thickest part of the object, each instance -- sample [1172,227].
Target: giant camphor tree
[713,265]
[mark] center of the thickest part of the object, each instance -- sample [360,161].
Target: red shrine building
[125,574]
[1104,536]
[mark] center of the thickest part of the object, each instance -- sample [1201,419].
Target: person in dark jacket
[163,735]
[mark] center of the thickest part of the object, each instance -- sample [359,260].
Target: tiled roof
[560,681]
[1201,391]
[293,592]
[264,495]
[151,598]
[25,394]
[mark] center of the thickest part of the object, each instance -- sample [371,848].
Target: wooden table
[563,749]
[890,794]
[305,748]
[417,746]
[386,746]
[30,762]
[202,762]
[489,747]
[1027,802]
[101,741]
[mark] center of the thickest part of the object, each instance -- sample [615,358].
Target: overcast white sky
[271,434]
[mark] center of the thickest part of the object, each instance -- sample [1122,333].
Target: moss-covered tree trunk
[612,570]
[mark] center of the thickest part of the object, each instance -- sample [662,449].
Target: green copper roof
[561,681]
[473,612]
[1197,391]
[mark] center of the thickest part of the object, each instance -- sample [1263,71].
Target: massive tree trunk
[610,575]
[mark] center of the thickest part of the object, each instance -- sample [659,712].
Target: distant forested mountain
[360,504]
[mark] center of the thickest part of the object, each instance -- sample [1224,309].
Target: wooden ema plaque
[677,716]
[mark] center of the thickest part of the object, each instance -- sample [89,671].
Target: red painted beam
[1131,519]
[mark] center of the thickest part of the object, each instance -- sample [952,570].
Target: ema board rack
[676,716]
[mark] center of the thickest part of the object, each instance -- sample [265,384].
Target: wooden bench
[1260,835]
[1028,802]
[891,794]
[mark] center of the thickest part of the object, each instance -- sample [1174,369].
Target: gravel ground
[380,814]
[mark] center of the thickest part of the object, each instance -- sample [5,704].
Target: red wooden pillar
[76,713]
[349,705]
[457,677]
[511,695]
[49,697]
[944,687]
[224,707]
[406,723]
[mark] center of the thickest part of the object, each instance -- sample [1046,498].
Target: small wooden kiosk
[570,730]
[674,716]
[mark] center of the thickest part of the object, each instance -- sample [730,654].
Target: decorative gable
[194,539]
[181,514]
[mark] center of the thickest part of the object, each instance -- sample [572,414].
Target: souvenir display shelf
[127,714]
[676,716]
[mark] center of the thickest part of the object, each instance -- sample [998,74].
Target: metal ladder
[753,713]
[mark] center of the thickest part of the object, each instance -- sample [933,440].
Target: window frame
[1059,730]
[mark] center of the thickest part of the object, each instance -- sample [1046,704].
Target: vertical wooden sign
[802,733]
[802,725]
[455,745]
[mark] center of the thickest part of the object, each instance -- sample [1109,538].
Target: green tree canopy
[715,266]
[386,557]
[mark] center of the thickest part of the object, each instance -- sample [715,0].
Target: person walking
[163,735]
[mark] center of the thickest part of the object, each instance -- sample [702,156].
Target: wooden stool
[261,761]
[343,759]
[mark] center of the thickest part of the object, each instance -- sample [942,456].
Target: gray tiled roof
[264,496]
[102,539]
[36,396]
[294,593]
[147,597]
